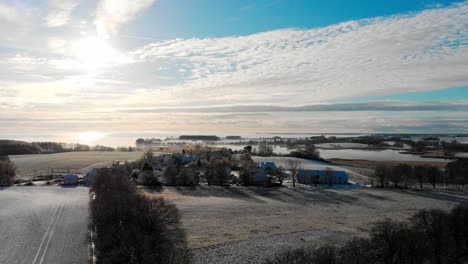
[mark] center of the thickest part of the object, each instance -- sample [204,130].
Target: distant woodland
[13,147]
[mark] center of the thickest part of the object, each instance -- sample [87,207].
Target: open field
[43,225]
[247,224]
[27,164]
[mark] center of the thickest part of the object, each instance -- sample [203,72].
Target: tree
[148,178]
[418,173]
[458,171]
[433,175]
[170,175]
[247,167]
[399,173]
[396,242]
[294,166]
[381,174]
[216,172]
[309,152]
[434,225]
[264,149]
[7,171]
[405,170]
[148,155]
[329,175]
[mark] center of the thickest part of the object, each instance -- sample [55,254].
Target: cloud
[9,13]
[389,55]
[336,107]
[111,15]
[61,12]
[285,80]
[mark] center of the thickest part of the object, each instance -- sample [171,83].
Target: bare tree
[405,170]
[418,173]
[381,175]
[433,175]
[329,174]
[294,166]
[7,172]
[264,149]
[400,173]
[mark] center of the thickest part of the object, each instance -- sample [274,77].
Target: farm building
[263,172]
[322,177]
[70,179]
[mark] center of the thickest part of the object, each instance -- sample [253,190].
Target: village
[219,167]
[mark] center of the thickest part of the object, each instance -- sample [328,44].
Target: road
[41,225]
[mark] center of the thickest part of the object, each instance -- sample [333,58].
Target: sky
[110,71]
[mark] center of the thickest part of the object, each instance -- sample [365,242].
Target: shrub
[7,172]
[148,178]
[187,176]
[216,172]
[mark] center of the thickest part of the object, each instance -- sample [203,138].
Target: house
[322,177]
[262,172]
[70,179]
[88,179]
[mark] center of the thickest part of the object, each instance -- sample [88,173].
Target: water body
[377,155]
[362,154]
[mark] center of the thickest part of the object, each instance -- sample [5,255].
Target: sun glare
[90,136]
[94,53]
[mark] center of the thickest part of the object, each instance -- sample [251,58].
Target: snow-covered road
[41,225]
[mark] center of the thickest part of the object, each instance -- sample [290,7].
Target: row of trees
[432,236]
[7,171]
[309,152]
[132,227]
[455,173]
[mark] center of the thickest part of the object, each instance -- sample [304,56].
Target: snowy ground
[248,224]
[41,225]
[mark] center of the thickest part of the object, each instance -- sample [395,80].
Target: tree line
[14,147]
[455,172]
[132,227]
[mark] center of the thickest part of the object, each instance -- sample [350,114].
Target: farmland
[27,164]
[247,224]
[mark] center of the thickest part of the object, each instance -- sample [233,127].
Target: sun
[90,136]
[94,53]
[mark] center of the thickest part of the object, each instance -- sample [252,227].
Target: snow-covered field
[248,224]
[27,164]
[42,225]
